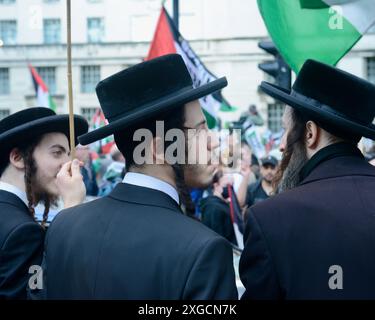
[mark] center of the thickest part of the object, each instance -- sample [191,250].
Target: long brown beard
[294,155]
[35,192]
[290,176]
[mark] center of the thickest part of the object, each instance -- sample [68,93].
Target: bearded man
[316,238]
[136,243]
[34,168]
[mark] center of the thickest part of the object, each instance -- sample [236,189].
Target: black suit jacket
[294,238]
[135,244]
[21,246]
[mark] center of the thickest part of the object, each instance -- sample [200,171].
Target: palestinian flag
[104,145]
[168,40]
[43,97]
[324,30]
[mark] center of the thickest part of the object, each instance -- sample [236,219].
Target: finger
[65,169]
[75,168]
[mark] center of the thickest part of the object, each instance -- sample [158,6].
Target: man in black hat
[34,167]
[136,243]
[316,239]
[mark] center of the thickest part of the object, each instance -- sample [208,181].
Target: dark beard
[291,176]
[40,195]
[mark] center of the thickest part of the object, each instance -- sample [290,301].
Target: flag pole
[70,85]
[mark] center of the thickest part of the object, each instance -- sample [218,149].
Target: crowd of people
[139,224]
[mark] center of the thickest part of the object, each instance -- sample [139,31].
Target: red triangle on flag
[163,41]
[38,81]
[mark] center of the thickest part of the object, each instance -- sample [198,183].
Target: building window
[90,76]
[4,113]
[371,69]
[275,114]
[88,113]
[8,31]
[95,30]
[7,1]
[48,75]
[52,31]
[4,81]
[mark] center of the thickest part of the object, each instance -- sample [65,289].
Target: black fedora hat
[338,101]
[19,127]
[144,90]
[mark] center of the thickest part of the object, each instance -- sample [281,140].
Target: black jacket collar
[144,196]
[12,199]
[332,151]
[340,166]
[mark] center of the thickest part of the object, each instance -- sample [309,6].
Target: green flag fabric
[324,30]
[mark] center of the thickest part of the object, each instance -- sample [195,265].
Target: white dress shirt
[142,180]
[16,191]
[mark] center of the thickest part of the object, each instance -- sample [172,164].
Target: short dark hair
[124,138]
[23,147]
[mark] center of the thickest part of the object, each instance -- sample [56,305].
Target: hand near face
[70,183]
[245,170]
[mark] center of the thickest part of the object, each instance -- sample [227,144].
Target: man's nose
[64,160]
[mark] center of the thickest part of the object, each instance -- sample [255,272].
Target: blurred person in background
[263,188]
[252,116]
[87,171]
[215,211]
[243,164]
[114,173]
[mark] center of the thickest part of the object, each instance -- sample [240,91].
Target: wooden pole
[70,84]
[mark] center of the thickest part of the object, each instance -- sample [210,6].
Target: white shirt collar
[16,191]
[142,180]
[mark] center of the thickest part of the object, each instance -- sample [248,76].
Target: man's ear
[312,134]
[16,159]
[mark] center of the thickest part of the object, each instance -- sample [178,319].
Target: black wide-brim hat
[338,101]
[20,127]
[144,90]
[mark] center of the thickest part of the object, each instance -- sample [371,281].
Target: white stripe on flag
[42,98]
[208,103]
[361,14]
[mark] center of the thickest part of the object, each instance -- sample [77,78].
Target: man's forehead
[55,138]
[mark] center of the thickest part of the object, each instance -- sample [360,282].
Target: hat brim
[151,110]
[319,114]
[55,123]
